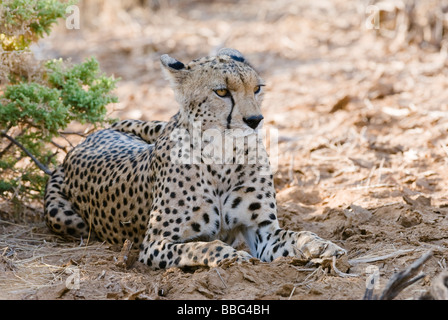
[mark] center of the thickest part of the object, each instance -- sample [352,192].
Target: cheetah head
[220,92]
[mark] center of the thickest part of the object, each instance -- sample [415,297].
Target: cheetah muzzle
[167,186]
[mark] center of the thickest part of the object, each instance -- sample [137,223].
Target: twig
[57,145]
[84,134]
[378,258]
[37,162]
[442,263]
[219,275]
[304,269]
[6,149]
[306,281]
[340,273]
[122,260]
[51,157]
[292,292]
[65,138]
[405,278]
[10,144]
[75,133]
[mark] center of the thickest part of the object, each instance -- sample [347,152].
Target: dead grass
[32,259]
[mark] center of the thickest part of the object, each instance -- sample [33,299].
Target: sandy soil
[362,160]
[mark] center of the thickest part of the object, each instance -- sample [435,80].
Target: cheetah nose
[253,121]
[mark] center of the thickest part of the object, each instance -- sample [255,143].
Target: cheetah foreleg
[303,244]
[164,254]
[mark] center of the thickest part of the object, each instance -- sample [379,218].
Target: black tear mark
[229,117]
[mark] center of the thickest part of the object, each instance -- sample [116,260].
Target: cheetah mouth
[241,133]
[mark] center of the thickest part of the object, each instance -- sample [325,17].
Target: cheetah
[140,180]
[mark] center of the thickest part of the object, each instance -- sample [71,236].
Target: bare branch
[6,149]
[75,133]
[65,138]
[57,145]
[37,162]
[123,260]
[405,278]
[3,152]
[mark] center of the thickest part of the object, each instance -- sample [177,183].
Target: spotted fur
[126,182]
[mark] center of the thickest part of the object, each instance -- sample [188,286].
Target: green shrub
[36,106]
[20,16]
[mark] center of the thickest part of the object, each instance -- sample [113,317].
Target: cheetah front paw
[237,257]
[311,246]
[242,256]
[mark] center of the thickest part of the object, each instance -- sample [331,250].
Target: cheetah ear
[232,53]
[171,63]
[173,69]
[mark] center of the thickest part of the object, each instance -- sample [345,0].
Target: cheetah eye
[257,89]
[222,92]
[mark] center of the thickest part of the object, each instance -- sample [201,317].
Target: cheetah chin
[239,133]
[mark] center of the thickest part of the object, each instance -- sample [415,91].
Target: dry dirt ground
[362,120]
